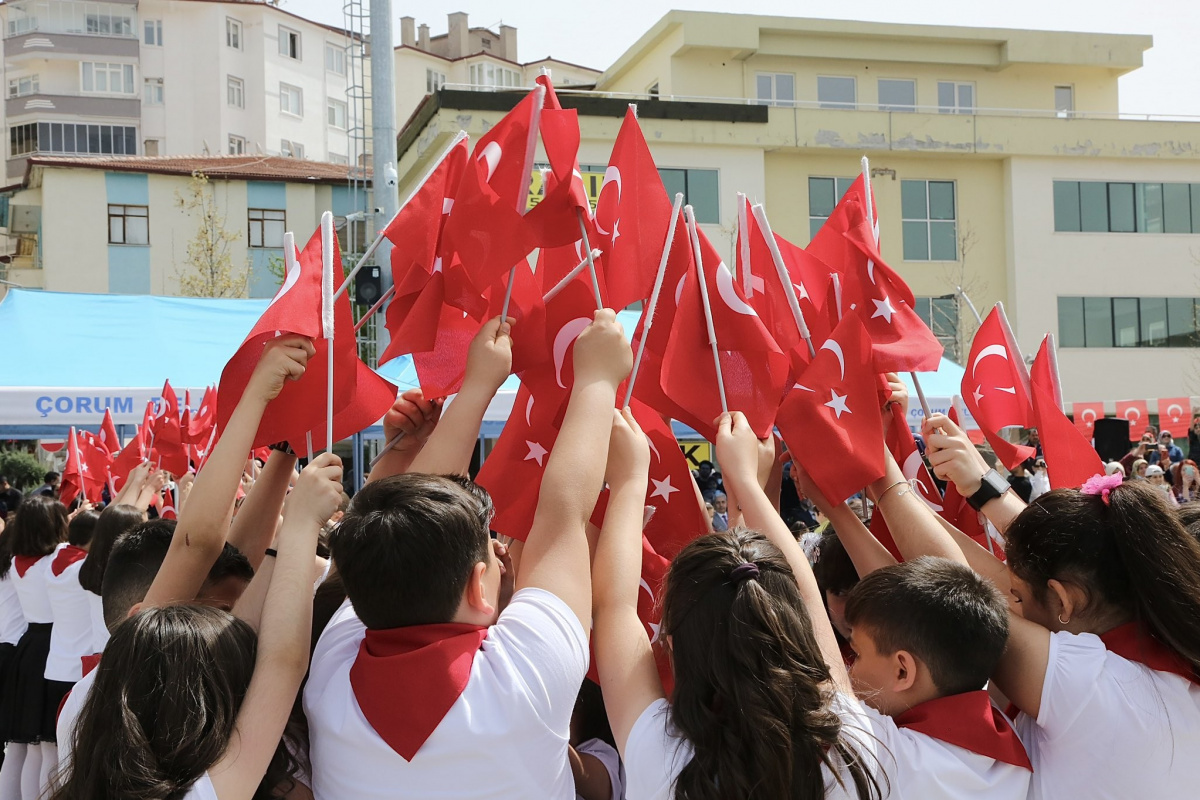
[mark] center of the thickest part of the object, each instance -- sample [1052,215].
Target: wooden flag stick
[653,304]
[690,217]
[760,214]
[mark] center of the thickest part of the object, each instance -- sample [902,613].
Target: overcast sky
[596,33]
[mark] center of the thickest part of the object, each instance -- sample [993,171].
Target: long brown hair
[113,521]
[1131,554]
[163,707]
[40,525]
[752,691]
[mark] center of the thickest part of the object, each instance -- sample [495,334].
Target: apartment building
[172,77]
[1000,163]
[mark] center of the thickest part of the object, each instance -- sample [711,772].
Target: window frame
[958,108]
[1065,113]
[332,106]
[233,33]
[815,221]
[838,104]
[232,84]
[289,148]
[290,36]
[1176,334]
[929,220]
[240,141]
[434,80]
[774,100]
[893,107]
[34,81]
[154,27]
[153,86]
[262,219]
[120,211]
[288,89]
[687,191]
[339,56]
[109,69]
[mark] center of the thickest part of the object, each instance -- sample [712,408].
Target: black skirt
[7,654]
[26,710]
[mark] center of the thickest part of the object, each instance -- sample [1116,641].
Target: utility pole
[383,138]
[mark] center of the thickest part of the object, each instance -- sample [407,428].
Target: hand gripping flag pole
[653,304]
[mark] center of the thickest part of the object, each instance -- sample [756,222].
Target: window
[153,32]
[775,89]
[102,78]
[434,80]
[291,100]
[699,187]
[69,137]
[335,58]
[19,87]
[823,195]
[956,98]
[233,33]
[1128,322]
[154,92]
[338,158]
[1064,100]
[836,92]
[335,113]
[1104,207]
[235,92]
[897,95]
[237,145]
[291,149]
[652,91]
[71,16]
[940,315]
[128,224]
[928,221]
[266,227]
[22,139]
[289,43]
[488,75]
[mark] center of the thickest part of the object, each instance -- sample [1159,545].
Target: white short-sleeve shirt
[72,636]
[202,789]
[505,738]
[1110,728]
[656,753]
[607,755]
[12,619]
[31,589]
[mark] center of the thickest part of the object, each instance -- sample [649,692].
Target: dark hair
[589,720]
[113,521]
[834,570]
[164,704]
[944,613]
[232,563]
[1130,553]
[40,525]
[80,529]
[1189,517]
[407,545]
[752,691]
[50,477]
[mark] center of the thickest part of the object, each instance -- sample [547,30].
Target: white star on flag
[838,403]
[801,293]
[616,229]
[978,394]
[663,489]
[536,452]
[756,284]
[883,308]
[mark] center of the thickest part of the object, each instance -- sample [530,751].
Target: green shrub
[22,469]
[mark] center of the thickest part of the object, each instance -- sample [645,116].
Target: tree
[961,282]
[208,270]
[21,467]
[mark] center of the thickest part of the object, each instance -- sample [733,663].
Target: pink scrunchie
[1102,485]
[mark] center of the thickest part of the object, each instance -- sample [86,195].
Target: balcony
[51,106]
[50,45]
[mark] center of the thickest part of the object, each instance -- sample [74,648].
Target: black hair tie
[745,570]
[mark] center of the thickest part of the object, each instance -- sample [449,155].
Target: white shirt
[99,629]
[65,728]
[1111,728]
[72,636]
[202,789]
[655,753]
[607,755]
[12,620]
[31,589]
[921,767]
[504,738]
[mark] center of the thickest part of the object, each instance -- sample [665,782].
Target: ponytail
[1128,551]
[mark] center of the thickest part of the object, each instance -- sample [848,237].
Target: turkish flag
[1174,414]
[86,469]
[1138,414]
[168,450]
[108,433]
[135,451]
[554,221]
[633,213]
[167,504]
[71,482]
[677,517]
[830,244]
[201,424]
[994,391]
[754,370]
[830,418]
[1086,415]
[99,464]
[1070,458]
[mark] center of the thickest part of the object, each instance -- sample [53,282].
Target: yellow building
[999,159]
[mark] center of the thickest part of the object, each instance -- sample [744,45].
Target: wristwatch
[991,486]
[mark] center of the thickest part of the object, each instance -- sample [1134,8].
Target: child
[188,702]
[114,521]
[762,706]
[427,685]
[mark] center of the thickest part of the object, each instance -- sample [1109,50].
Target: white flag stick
[387,448]
[1014,348]
[974,311]
[760,214]
[391,290]
[570,276]
[590,258]
[744,245]
[1058,394]
[648,313]
[327,299]
[308,444]
[523,196]
[690,217]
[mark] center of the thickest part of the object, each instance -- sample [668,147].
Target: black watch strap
[283,447]
[992,485]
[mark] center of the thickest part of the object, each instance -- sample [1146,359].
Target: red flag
[994,392]
[1086,415]
[200,424]
[86,469]
[71,480]
[166,509]
[834,409]
[1137,413]
[135,451]
[554,221]
[961,515]
[1174,414]
[108,433]
[168,450]
[1070,459]
[98,464]
[633,213]
[753,368]
[678,517]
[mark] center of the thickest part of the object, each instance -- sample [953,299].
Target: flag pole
[391,290]
[370,251]
[1053,351]
[570,276]
[744,246]
[523,195]
[653,303]
[327,319]
[1011,339]
[959,291]
[760,214]
[590,258]
[690,217]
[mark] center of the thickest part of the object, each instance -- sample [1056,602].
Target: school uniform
[656,752]
[952,747]
[607,755]
[12,628]
[439,711]
[32,717]
[1119,718]
[72,638]
[68,714]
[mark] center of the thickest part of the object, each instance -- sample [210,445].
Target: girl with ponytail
[762,706]
[1103,658]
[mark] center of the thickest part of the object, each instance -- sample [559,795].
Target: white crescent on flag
[491,154]
[292,275]
[612,177]
[1084,415]
[990,350]
[529,411]
[1137,414]
[1175,410]
[562,340]
[729,294]
[834,347]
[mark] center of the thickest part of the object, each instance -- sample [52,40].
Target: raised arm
[449,449]
[283,637]
[738,452]
[254,526]
[413,418]
[867,552]
[955,459]
[204,522]
[624,659]
[555,556]
[913,524]
[133,485]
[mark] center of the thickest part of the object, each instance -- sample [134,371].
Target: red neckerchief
[23,563]
[66,557]
[970,721]
[1134,642]
[89,663]
[406,679]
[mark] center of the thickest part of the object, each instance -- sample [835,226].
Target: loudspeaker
[1112,438]
[368,286]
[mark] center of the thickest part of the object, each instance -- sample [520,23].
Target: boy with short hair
[424,683]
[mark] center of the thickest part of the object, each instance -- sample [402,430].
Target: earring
[1062,621]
